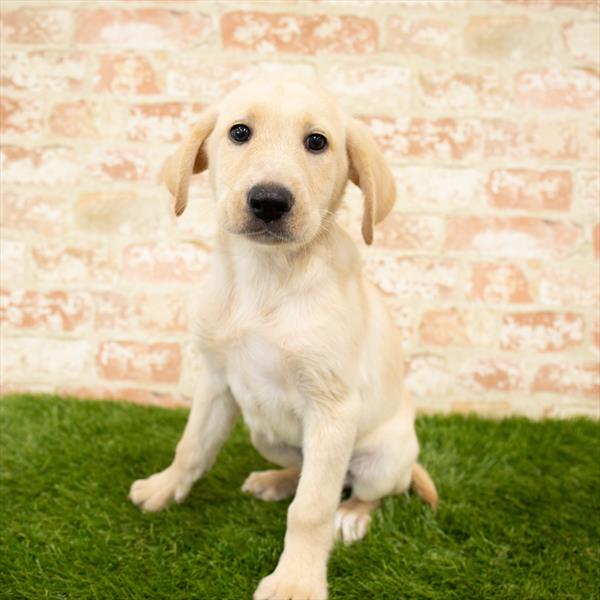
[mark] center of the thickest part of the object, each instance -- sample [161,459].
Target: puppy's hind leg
[274,484]
[352,519]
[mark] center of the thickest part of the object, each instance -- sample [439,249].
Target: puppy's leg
[213,414]
[352,519]
[328,439]
[274,484]
[384,467]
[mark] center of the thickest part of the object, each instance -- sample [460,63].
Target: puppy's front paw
[286,585]
[159,490]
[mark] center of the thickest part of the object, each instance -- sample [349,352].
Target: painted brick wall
[487,109]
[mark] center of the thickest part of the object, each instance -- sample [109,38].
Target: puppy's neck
[251,266]
[277,259]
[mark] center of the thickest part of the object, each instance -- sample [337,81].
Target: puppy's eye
[315,142]
[240,133]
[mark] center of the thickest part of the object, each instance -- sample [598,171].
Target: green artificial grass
[518,515]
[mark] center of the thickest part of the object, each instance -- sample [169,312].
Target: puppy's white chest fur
[264,390]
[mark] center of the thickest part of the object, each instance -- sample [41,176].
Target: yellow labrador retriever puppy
[291,333]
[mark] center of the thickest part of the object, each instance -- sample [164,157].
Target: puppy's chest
[263,385]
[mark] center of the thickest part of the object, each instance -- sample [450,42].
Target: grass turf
[518,516]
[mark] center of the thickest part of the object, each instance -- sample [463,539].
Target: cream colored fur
[291,333]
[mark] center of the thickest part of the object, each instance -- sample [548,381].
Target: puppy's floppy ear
[369,171]
[189,158]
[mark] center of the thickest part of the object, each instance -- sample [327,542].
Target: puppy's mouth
[267,236]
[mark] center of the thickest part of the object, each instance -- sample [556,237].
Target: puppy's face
[279,154]
[278,161]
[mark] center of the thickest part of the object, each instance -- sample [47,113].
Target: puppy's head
[279,154]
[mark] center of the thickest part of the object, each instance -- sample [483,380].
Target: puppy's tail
[424,486]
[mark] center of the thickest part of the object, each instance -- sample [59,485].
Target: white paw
[270,485]
[282,585]
[159,490]
[351,526]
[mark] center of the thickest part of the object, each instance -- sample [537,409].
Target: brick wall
[487,110]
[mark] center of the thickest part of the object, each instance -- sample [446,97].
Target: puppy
[291,333]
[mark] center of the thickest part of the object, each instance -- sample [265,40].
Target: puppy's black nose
[269,201]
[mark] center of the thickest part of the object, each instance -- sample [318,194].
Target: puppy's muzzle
[269,202]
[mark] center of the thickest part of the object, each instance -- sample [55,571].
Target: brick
[527,3]
[161,312]
[25,388]
[590,141]
[58,262]
[112,311]
[442,139]
[558,89]
[587,194]
[34,359]
[141,396]
[162,261]
[164,122]
[443,89]
[405,278]
[537,139]
[120,212]
[523,237]
[315,34]
[20,116]
[137,361]
[13,256]
[44,71]
[35,26]
[530,190]
[355,86]
[545,139]
[497,283]
[427,375]
[582,40]
[114,164]
[457,327]
[126,74]
[487,408]
[564,378]
[431,38]
[591,5]
[596,334]
[143,28]
[74,119]
[57,311]
[541,331]
[505,38]
[487,374]
[43,214]
[502,139]
[50,165]
[565,407]
[567,284]
[407,232]
[211,81]
[438,188]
